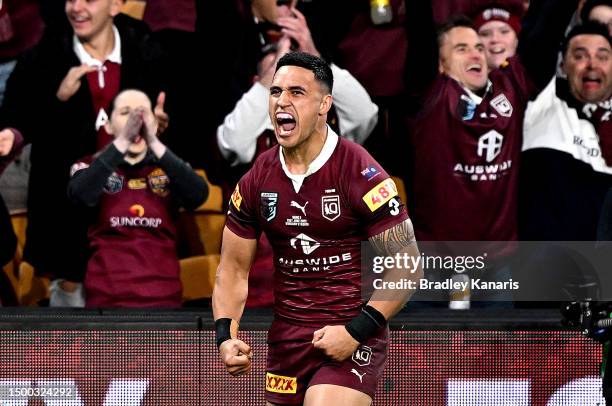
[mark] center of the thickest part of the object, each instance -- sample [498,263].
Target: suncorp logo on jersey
[138,221]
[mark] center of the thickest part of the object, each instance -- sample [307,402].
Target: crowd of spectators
[495,114]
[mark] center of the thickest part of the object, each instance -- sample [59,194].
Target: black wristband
[222,330]
[366,325]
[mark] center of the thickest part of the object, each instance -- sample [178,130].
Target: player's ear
[326,104]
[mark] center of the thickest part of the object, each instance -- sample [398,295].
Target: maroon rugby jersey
[467,157]
[133,260]
[316,231]
[103,85]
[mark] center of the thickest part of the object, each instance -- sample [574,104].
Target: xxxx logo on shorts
[280,384]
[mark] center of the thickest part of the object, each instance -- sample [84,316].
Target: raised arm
[422,54]
[543,29]
[229,296]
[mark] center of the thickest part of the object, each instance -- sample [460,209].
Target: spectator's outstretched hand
[72,81]
[297,29]
[162,117]
[7,139]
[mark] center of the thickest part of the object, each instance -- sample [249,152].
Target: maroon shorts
[294,364]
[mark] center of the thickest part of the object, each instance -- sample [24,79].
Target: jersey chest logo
[502,105]
[490,145]
[268,202]
[330,207]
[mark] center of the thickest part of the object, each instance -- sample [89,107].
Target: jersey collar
[326,152]
[477,99]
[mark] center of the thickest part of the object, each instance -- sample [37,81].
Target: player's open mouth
[286,123]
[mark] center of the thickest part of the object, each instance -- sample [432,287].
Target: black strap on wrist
[222,330]
[366,325]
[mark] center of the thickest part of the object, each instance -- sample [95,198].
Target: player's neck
[299,158]
[100,45]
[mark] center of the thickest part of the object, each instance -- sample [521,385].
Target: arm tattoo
[394,239]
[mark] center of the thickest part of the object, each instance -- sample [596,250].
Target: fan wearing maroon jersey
[60,88]
[316,196]
[135,187]
[467,135]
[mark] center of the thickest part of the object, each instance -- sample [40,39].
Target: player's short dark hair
[454,21]
[589,5]
[320,68]
[587,28]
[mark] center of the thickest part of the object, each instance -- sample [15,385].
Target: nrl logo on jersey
[502,105]
[267,205]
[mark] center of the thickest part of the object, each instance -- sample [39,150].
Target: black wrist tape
[222,330]
[366,325]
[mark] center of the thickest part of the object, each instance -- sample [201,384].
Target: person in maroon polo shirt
[56,98]
[135,187]
[316,196]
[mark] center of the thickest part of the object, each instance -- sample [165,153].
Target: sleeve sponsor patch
[380,194]
[236,198]
[77,167]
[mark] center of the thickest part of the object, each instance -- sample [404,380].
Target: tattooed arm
[339,342]
[395,240]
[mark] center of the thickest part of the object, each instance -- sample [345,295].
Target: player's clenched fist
[335,342]
[236,356]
